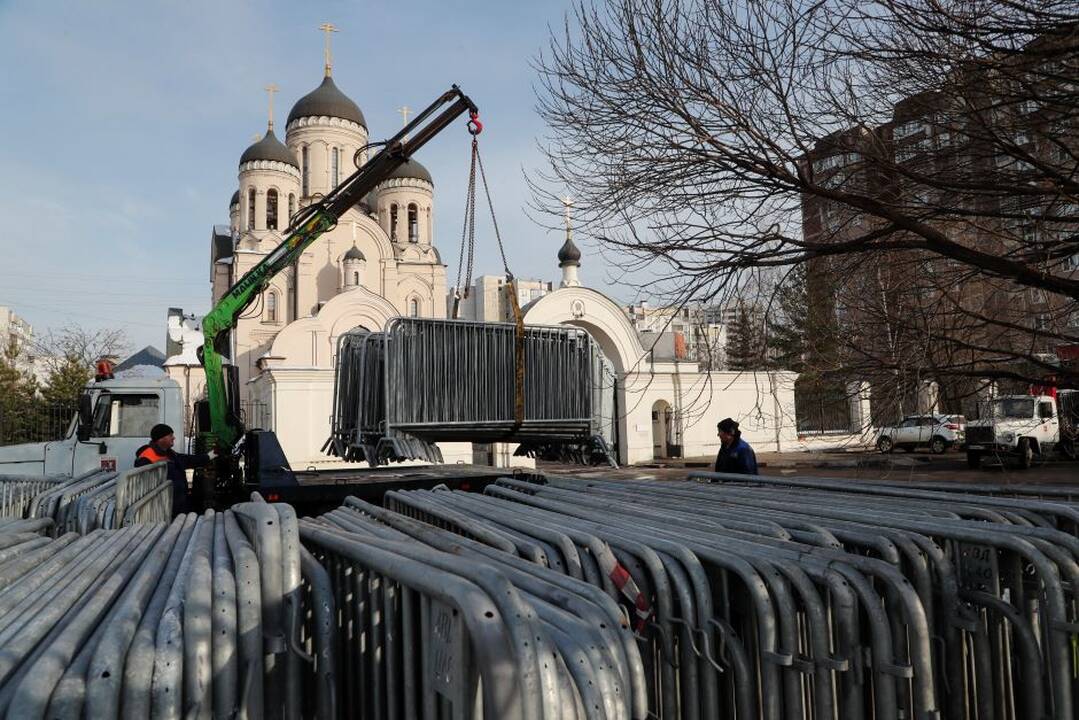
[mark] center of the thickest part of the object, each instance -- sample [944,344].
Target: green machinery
[219,426]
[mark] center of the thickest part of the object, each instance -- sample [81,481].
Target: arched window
[413,223]
[355,277]
[271,307]
[305,169]
[271,209]
[393,222]
[335,158]
[414,308]
[251,209]
[291,206]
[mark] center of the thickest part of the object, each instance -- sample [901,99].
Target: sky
[123,124]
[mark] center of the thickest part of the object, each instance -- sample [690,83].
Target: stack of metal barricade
[422,381]
[103,499]
[783,598]
[197,619]
[433,624]
[17,493]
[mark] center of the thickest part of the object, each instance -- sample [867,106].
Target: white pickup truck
[114,420]
[1024,427]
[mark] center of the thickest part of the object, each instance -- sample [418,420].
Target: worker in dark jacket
[735,454]
[160,448]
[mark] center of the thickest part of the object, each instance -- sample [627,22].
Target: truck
[114,419]
[1025,427]
[115,415]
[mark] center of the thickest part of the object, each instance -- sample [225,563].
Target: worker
[735,454]
[159,448]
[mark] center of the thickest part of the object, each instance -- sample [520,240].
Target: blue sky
[123,123]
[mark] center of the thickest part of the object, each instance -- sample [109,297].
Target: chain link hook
[475,127]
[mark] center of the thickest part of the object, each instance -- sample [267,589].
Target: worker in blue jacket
[735,454]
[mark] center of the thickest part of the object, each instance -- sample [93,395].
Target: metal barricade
[423,381]
[153,619]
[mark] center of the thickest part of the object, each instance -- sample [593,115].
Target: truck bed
[317,491]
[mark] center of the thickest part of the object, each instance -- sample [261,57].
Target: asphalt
[862,465]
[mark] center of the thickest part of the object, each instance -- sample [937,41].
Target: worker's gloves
[212,454]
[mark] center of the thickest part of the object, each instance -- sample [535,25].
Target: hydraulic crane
[225,427]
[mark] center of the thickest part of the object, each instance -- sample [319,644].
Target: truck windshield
[1011,408]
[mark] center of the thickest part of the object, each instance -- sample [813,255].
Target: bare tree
[73,343]
[919,157]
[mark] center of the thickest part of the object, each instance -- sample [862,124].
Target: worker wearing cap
[735,454]
[160,449]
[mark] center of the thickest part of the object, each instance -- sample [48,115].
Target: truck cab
[1022,426]
[114,420]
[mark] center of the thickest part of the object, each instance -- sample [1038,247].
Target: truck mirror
[86,418]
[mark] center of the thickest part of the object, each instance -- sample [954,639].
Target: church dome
[412,169]
[235,199]
[327,101]
[354,254]
[568,254]
[269,148]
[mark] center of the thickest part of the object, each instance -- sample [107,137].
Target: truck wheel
[1026,454]
[937,445]
[885,444]
[974,460]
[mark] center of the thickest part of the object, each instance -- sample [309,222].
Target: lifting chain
[466,263]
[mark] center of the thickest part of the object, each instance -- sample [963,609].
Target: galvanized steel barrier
[723,596]
[436,625]
[17,492]
[805,598]
[200,618]
[102,499]
[422,381]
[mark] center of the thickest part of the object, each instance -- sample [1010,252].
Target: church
[381,251]
[381,262]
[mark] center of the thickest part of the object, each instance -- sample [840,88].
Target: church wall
[262,176]
[320,135]
[405,191]
[762,403]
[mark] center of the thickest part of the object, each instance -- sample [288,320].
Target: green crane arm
[308,225]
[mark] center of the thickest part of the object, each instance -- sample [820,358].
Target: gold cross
[328,29]
[270,90]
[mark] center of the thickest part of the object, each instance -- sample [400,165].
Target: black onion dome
[269,148]
[354,254]
[235,199]
[568,254]
[412,169]
[327,100]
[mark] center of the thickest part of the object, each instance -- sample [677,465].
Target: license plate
[974,447]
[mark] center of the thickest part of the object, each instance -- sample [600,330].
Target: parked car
[936,432]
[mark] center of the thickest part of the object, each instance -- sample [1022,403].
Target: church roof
[412,169]
[235,199]
[269,148]
[327,100]
[569,254]
[354,254]
[149,355]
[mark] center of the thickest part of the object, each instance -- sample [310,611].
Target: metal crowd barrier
[17,492]
[200,618]
[106,500]
[422,381]
[804,597]
[435,625]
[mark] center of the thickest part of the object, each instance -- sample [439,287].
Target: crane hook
[475,127]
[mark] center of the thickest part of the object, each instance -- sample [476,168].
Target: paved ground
[865,465]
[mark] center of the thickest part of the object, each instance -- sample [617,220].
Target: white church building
[381,262]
